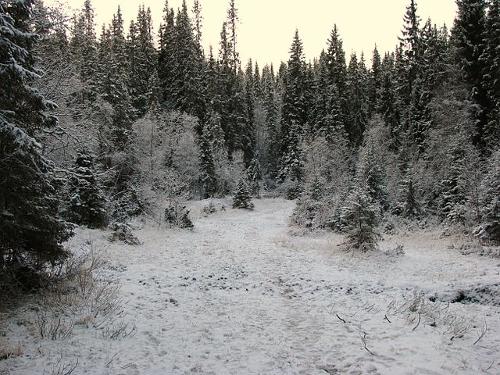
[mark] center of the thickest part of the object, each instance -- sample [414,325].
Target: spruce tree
[490,201]
[491,81]
[294,114]
[411,48]
[187,91]
[326,115]
[407,205]
[360,217]
[83,46]
[208,178]
[389,106]
[31,232]
[141,59]
[469,45]
[166,58]
[337,74]
[254,175]
[86,200]
[242,198]
[375,85]
[357,88]
[248,132]
[270,98]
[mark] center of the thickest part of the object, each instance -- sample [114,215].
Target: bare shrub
[118,330]
[64,368]
[78,297]
[53,327]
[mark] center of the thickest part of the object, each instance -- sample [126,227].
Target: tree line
[146,112]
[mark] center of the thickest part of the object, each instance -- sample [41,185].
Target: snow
[241,294]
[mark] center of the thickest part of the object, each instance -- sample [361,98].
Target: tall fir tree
[491,75]
[375,85]
[294,113]
[469,44]
[141,59]
[83,47]
[166,57]
[86,200]
[358,106]
[31,232]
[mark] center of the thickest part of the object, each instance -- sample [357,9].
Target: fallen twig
[363,340]
[418,323]
[483,332]
[342,320]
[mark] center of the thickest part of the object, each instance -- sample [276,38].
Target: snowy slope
[240,295]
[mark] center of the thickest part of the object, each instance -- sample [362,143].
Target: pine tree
[198,21]
[357,88]
[83,46]
[242,198]
[86,200]
[31,232]
[468,40]
[376,79]
[337,74]
[371,174]
[187,91]
[453,195]
[361,221]
[254,175]
[166,58]
[270,99]
[491,82]
[248,132]
[141,57]
[389,106]
[231,96]
[232,22]
[208,176]
[407,205]
[326,112]
[294,114]
[411,47]
[490,201]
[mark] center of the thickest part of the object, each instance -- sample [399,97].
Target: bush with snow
[176,215]
[123,232]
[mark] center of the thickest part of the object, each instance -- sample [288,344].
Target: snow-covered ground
[241,295]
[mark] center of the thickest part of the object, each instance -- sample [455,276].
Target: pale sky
[267,26]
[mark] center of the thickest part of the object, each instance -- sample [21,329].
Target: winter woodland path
[240,295]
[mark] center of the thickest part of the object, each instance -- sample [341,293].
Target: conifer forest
[167,208]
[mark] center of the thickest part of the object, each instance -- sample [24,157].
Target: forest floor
[241,294]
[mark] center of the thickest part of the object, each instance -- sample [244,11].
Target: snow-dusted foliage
[489,200]
[31,232]
[168,155]
[360,216]
[327,179]
[176,215]
[86,199]
[242,197]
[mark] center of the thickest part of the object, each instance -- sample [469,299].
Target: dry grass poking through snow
[78,298]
